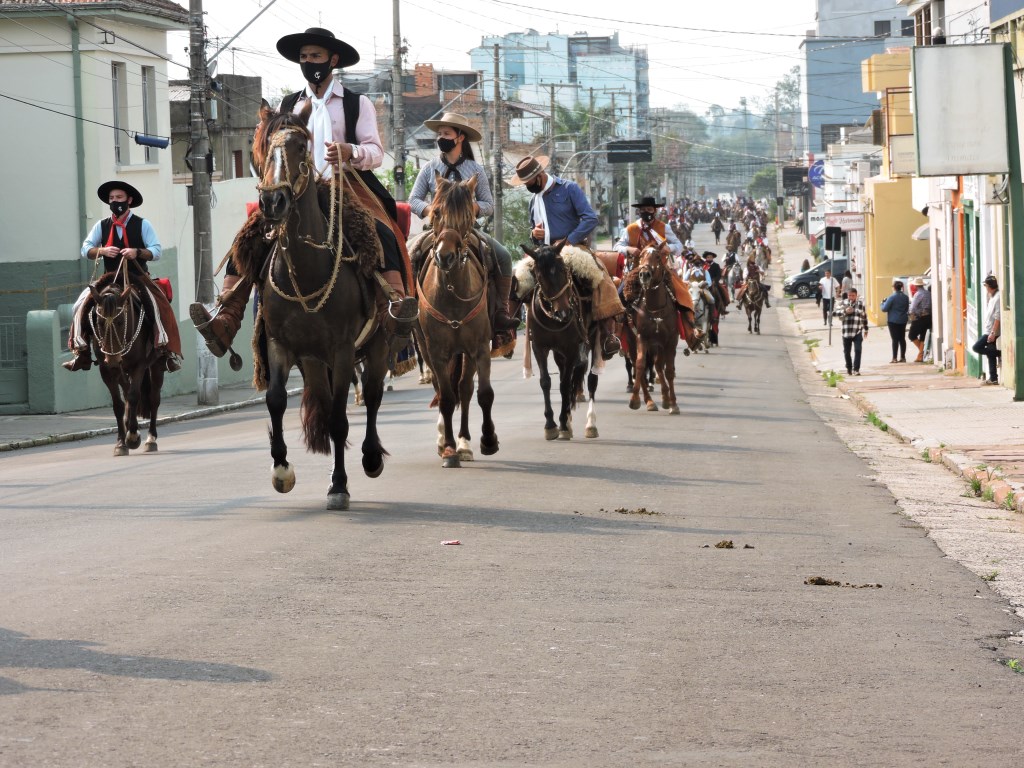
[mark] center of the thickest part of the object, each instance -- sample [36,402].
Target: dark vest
[134,230]
[350,107]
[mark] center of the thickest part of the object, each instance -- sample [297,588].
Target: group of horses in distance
[317,313]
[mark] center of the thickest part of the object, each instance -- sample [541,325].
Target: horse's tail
[316,418]
[145,394]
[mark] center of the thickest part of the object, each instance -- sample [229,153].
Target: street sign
[833,237]
[846,222]
[631,151]
[793,180]
[816,174]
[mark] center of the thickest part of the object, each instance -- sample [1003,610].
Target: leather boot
[398,312]
[610,345]
[82,360]
[219,329]
[503,320]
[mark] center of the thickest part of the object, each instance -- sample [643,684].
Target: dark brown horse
[653,319]
[317,308]
[130,365]
[557,323]
[454,320]
[753,300]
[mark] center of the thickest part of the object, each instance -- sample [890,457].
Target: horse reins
[429,308]
[109,333]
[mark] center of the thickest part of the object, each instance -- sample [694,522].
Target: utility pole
[591,125]
[397,105]
[778,166]
[632,166]
[207,390]
[551,125]
[614,207]
[499,225]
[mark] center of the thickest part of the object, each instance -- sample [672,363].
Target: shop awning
[922,232]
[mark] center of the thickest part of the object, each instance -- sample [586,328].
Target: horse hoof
[550,434]
[590,432]
[465,454]
[565,434]
[133,441]
[666,404]
[283,478]
[450,460]
[634,405]
[149,447]
[674,410]
[374,471]
[120,450]
[337,501]
[652,407]
[488,447]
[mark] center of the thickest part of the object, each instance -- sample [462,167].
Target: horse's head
[449,248]
[553,279]
[652,267]
[113,322]
[281,152]
[454,205]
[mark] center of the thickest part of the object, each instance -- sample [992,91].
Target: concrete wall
[832,82]
[855,18]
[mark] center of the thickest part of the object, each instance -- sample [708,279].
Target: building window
[907,27]
[883,28]
[149,109]
[239,167]
[119,87]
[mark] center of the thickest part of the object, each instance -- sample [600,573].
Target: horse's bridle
[575,308]
[464,257]
[109,335]
[275,147]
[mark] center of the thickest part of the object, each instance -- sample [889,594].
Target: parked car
[805,284]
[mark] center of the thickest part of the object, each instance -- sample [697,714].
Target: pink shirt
[371,152]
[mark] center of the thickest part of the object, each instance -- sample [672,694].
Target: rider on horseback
[752,273]
[733,239]
[124,236]
[560,211]
[456,163]
[345,139]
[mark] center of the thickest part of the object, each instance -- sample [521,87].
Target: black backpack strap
[350,106]
[288,102]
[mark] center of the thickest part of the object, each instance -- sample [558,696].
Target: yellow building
[890,218]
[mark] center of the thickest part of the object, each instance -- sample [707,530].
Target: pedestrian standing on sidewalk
[897,309]
[828,286]
[855,330]
[920,317]
[846,285]
[986,344]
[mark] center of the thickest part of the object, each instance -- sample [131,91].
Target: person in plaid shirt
[855,330]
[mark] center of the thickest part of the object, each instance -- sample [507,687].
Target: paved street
[173,610]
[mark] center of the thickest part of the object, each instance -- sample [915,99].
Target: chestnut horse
[316,306]
[455,322]
[130,365]
[654,319]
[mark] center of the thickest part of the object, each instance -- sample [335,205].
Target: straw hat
[918,281]
[528,168]
[456,121]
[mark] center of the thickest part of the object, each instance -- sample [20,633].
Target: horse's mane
[271,123]
[454,206]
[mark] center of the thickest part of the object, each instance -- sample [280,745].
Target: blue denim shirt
[569,213]
[897,307]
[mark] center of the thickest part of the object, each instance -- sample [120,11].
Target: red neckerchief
[115,223]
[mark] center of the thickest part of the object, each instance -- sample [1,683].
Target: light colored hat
[528,168]
[456,121]
[918,281]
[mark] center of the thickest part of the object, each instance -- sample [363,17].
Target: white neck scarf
[542,211]
[320,128]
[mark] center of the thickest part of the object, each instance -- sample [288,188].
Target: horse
[753,300]
[703,309]
[454,320]
[654,320]
[734,277]
[131,366]
[317,306]
[762,256]
[557,322]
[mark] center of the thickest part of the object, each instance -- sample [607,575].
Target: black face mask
[119,207]
[647,216]
[446,145]
[315,73]
[534,186]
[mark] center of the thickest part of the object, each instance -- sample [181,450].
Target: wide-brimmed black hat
[644,201]
[103,193]
[710,255]
[289,45]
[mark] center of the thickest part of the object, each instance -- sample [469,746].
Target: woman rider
[456,163]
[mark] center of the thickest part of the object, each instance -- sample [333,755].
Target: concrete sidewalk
[977,431]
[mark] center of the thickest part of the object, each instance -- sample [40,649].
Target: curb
[68,437]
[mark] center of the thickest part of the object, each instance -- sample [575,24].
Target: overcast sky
[700,54]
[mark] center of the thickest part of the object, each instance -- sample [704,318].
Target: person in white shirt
[828,287]
[986,343]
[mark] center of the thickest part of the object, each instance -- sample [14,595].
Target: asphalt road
[173,610]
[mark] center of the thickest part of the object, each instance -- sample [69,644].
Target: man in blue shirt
[560,211]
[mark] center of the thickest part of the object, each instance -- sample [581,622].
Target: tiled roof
[162,8]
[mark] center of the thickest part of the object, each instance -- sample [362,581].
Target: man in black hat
[717,287]
[343,125]
[124,238]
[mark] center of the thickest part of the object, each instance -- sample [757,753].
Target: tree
[764,182]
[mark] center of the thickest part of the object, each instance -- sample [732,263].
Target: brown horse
[130,365]
[753,300]
[454,320]
[557,323]
[653,318]
[317,306]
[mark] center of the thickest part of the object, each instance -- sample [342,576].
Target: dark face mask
[446,145]
[534,186]
[647,216]
[118,208]
[315,73]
